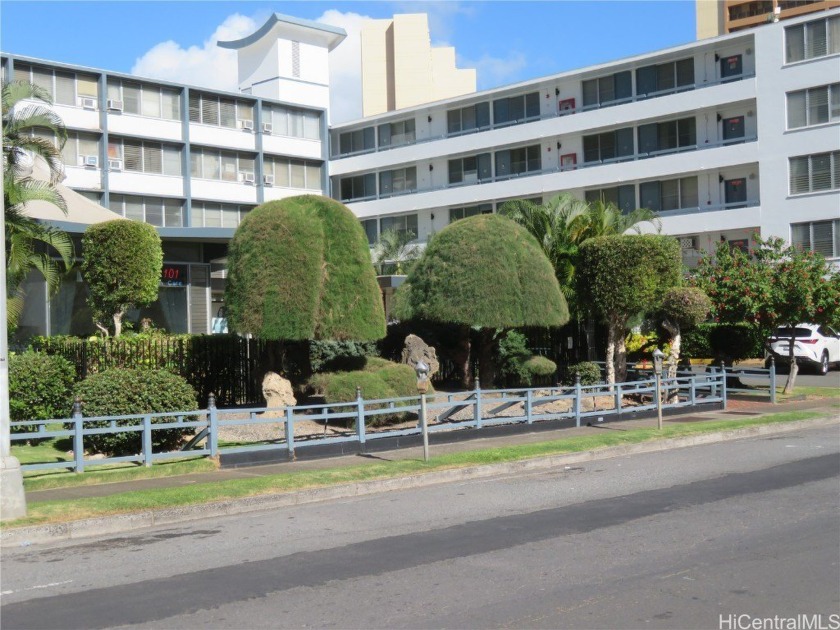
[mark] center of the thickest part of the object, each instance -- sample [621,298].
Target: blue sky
[506,41]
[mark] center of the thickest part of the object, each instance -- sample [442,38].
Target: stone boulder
[277,391]
[416,350]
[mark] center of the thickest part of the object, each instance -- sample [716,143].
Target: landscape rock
[416,350]
[277,391]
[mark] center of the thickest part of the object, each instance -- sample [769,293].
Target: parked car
[813,346]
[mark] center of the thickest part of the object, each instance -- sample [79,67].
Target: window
[813,106]
[405,224]
[516,109]
[731,67]
[146,100]
[358,187]
[224,165]
[820,236]
[469,211]
[812,39]
[469,170]
[735,193]
[672,194]
[293,173]
[153,210]
[665,77]
[623,197]
[813,173]
[513,162]
[609,89]
[667,136]
[472,118]
[608,146]
[398,181]
[65,88]
[371,227]
[357,141]
[222,215]
[397,133]
[76,148]
[288,121]
[733,128]
[146,157]
[209,109]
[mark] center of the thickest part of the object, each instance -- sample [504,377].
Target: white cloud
[207,65]
[495,71]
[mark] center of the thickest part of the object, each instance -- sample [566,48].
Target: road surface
[677,539]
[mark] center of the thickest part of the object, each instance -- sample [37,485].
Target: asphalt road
[674,539]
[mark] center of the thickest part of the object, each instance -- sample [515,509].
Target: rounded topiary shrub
[590,373]
[40,387]
[120,392]
[538,366]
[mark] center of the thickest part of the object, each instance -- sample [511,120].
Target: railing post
[692,390]
[147,441]
[213,418]
[772,380]
[78,436]
[618,399]
[577,400]
[528,407]
[477,412]
[290,433]
[723,383]
[360,418]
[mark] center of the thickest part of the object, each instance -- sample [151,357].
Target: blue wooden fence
[476,409]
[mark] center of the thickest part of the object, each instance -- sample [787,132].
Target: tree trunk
[794,369]
[462,358]
[486,366]
[104,329]
[674,358]
[611,343]
[621,354]
[118,323]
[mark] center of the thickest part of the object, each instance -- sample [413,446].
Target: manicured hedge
[590,373]
[40,387]
[730,341]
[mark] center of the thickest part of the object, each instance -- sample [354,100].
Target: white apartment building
[724,137]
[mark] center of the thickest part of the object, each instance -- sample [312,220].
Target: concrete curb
[122,523]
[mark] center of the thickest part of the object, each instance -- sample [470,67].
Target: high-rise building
[717,17]
[400,68]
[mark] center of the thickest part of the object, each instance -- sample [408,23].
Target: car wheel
[824,364]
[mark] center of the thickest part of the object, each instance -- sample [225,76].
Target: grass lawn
[60,511]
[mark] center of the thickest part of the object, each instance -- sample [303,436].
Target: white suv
[815,346]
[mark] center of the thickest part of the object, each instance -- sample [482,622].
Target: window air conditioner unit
[88,103]
[115,105]
[268,180]
[247,177]
[247,125]
[115,165]
[90,160]
[267,127]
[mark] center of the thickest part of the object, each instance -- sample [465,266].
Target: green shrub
[339,356]
[378,379]
[590,373]
[119,392]
[538,366]
[516,362]
[40,387]
[731,342]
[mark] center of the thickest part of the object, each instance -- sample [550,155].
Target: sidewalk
[738,408]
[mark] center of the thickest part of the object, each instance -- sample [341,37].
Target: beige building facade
[400,68]
[718,17]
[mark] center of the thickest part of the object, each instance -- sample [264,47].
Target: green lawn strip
[112,473]
[67,510]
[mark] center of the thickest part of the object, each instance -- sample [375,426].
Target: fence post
[618,400]
[360,418]
[577,399]
[212,412]
[723,383]
[691,389]
[772,380]
[78,436]
[147,440]
[477,412]
[290,433]
[528,407]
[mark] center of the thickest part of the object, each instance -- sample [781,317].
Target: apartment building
[717,17]
[190,161]
[725,137]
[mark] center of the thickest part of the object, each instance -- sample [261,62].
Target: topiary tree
[40,387]
[682,308]
[621,276]
[122,264]
[122,392]
[487,272]
[300,269]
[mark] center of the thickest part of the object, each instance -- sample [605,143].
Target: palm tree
[393,253]
[30,245]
